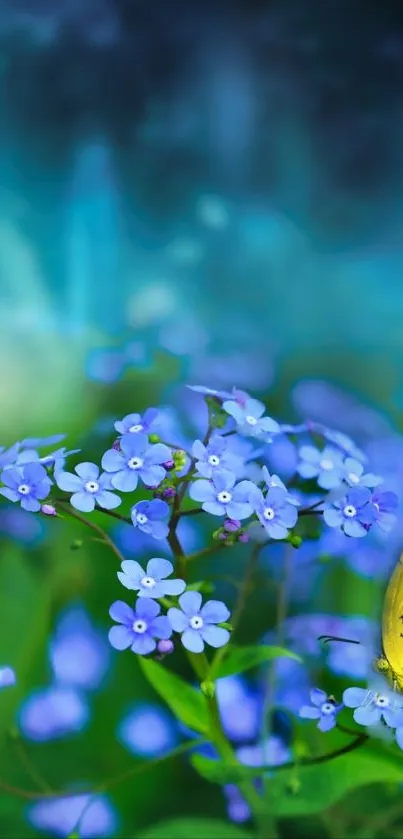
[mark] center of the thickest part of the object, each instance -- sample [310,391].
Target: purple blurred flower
[272,752]
[88,488]
[148,731]
[323,708]
[28,484]
[215,458]
[7,677]
[137,423]
[237,808]
[88,816]
[327,466]
[221,497]
[151,517]
[136,459]
[354,514]
[385,504]
[372,706]
[53,712]
[76,641]
[276,513]
[250,420]
[197,623]
[151,583]
[138,627]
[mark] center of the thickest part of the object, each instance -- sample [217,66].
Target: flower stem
[64,505]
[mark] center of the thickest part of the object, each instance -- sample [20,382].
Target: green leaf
[194,828]
[184,700]
[305,790]
[24,609]
[239,659]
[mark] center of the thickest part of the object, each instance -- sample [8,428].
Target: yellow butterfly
[390,663]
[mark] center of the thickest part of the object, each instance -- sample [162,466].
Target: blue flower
[339,439]
[7,677]
[354,474]
[136,459]
[197,623]
[219,394]
[76,640]
[385,505]
[151,583]
[137,423]
[138,627]
[249,418]
[89,816]
[240,708]
[148,731]
[53,712]
[327,466]
[42,442]
[354,514]
[56,459]
[372,706]
[88,488]
[214,458]
[276,513]
[151,517]
[323,708]
[28,484]
[274,481]
[9,456]
[221,497]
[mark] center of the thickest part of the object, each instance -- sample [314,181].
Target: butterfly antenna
[327,638]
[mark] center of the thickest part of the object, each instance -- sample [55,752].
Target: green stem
[65,506]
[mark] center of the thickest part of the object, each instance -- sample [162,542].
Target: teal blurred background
[198,194]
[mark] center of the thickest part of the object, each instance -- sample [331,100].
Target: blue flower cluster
[376,707]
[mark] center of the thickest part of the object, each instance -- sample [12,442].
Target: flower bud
[48,510]
[222,537]
[208,689]
[231,525]
[165,647]
[116,445]
[168,465]
[179,458]
[76,545]
[169,492]
[154,438]
[243,537]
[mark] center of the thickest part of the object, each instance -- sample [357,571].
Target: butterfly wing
[392,621]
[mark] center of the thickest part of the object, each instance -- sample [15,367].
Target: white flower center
[142,518]
[374,504]
[91,486]
[326,464]
[251,420]
[350,511]
[224,497]
[135,463]
[268,513]
[214,460]
[140,627]
[147,582]
[196,622]
[381,701]
[355,479]
[24,489]
[327,708]
[134,429]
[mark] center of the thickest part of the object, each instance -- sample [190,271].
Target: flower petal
[121,612]
[317,696]
[214,611]
[326,723]
[367,714]
[353,697]
[174,587]
[120,637]
[307,712]
[192,641]
[87,471]
[143,644]
[107,500]
[190,602]
[159,568]
[83,501]
[177,619]
[215,636]
[126,480]
[68,482]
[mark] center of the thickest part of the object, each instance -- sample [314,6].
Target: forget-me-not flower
[222,497]
[28,484]
[198,624]
[215,458]
[249,418]
[151,517]
[385,505]
[136,459]
[326,466]
[354,474]
[138,628]
[323,708]
[372,706]
[276,513]
[137,423]
[353,514]
[152,582]
[7,677]
[88,488]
